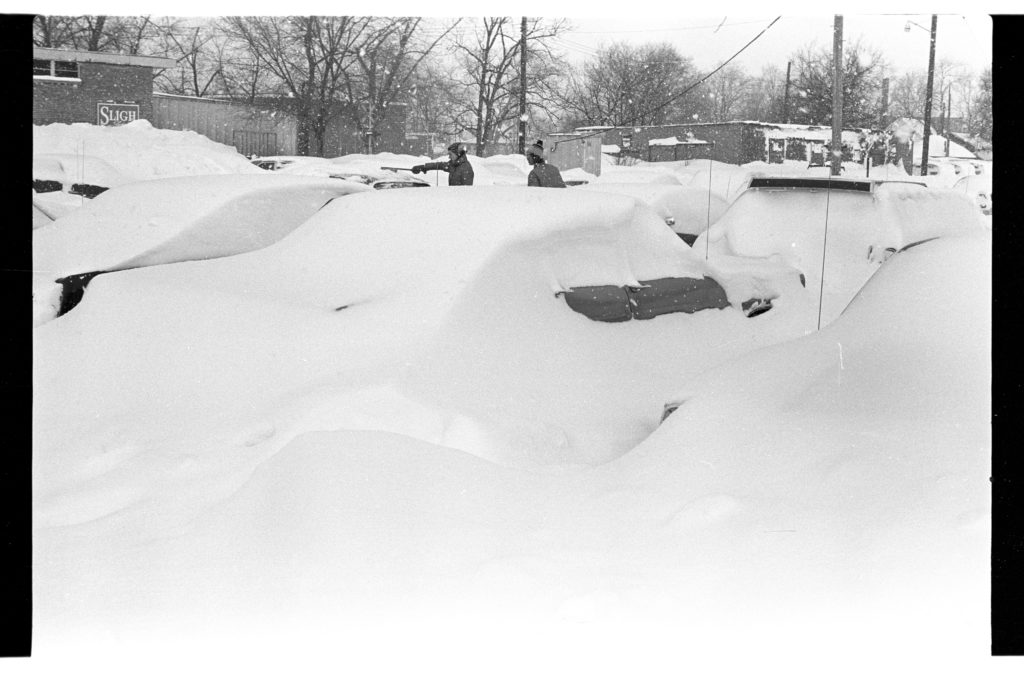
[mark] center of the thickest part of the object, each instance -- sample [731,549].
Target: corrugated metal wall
[249,129]
[571,151]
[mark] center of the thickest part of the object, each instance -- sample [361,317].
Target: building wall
[661,153]
[250,129]
[734,142]
[68,101]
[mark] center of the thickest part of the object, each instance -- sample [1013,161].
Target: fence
[250,129]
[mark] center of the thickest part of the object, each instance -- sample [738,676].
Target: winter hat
[536,149]
[457,148]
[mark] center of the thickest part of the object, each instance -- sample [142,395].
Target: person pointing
[460,172]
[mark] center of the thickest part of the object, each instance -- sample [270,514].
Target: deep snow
[453,476]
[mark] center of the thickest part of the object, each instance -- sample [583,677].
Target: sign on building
[110,113]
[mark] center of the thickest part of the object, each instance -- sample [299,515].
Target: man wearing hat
[460,172]
[542,173]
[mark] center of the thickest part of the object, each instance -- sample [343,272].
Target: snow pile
[641,173]
[691,210]
[139,151]
[578,174]
[509,169]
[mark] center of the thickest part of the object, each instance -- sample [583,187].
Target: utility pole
[928,97]
[522,89]
[785,97]
[949,110]
[837,96]
[885,103]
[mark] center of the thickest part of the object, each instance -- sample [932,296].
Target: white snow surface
[691,208]
[176,219]
[138,150]
[453,474]
[69,168]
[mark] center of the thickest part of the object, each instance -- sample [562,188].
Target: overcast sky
[708,39]
[712,40]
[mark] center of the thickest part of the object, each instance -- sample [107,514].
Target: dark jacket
[460,172]
[544,174]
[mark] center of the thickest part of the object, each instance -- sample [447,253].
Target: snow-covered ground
[383,445]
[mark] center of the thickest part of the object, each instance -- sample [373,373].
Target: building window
[46,68]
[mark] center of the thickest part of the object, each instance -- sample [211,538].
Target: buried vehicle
[978,187]
[687,210]
[835,231]
[161,221]
[384,311]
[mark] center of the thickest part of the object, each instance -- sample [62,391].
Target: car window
[649,299]
[604,303]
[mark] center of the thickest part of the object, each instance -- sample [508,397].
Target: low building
[252,130]
[71,86]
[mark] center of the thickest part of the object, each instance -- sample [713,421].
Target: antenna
[707,231]
[824,244]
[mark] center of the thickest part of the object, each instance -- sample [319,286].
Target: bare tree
[723,95]
[307,57]
[983,102]
[197,52]
[385,58]
[490,60]
[765,96]
[632,85]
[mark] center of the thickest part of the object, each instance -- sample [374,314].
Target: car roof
[864,185]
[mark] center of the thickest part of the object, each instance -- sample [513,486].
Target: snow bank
[139,151]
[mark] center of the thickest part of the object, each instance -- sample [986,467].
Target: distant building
[736,142]
[94,87]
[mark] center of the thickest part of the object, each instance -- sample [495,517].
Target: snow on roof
[674,141]
[179,218]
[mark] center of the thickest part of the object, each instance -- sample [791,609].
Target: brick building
[101,89]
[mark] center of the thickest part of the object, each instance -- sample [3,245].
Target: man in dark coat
[460,172]
[542,173]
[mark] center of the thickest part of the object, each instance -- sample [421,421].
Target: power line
[699,82]
[662,29]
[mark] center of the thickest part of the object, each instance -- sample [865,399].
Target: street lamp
[928,91]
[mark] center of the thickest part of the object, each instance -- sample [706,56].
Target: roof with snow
[82,56]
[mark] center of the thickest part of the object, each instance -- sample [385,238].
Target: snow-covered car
[835,231]
[978,187]
[276,162]
[687,210]
[390,413]
[364,173]
[375,280]
[647,173]
[63,182]
[161,221]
